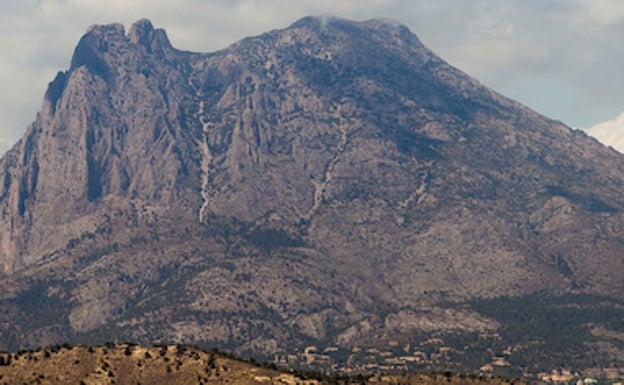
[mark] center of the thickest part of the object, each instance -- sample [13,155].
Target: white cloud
[600,12]
[610,133]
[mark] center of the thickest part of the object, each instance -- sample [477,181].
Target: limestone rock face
[333,181]
[108,129]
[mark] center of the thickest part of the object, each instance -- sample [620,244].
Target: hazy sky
[562,58]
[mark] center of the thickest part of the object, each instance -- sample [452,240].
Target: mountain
[610,132]
[332,183]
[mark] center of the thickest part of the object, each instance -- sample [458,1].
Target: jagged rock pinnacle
[140,32]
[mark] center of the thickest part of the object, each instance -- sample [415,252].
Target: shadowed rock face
[332,180]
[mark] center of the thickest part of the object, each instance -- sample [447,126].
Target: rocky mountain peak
[102,46]
[328,26]
[316,22]
[325,22]
[93,47]
[112,29]
[154,40]
[141,31]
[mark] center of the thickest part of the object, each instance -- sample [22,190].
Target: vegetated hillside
[332,183]
[130,364]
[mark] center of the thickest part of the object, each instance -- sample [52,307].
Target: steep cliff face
[111,127]
[333,180]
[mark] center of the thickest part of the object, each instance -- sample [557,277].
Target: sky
[562,58]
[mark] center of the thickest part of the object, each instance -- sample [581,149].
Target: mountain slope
[330,182]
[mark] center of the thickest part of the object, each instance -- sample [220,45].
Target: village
[424,356]
[429,356]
